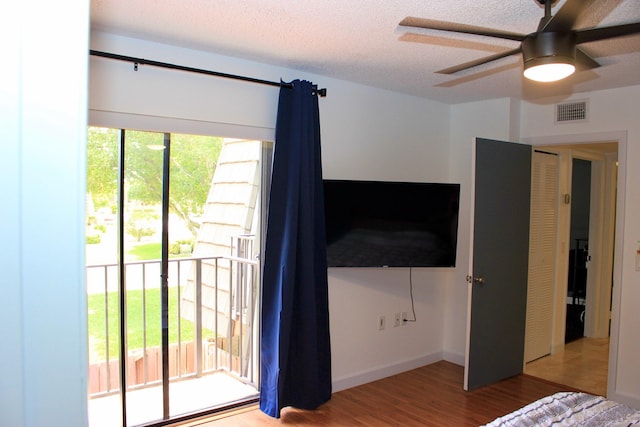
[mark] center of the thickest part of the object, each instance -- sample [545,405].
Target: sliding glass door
[173,234]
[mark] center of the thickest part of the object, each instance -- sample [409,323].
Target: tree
[141,224]
[193,160]
[193,163]
[102,164]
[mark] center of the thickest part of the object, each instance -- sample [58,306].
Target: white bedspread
[571,409]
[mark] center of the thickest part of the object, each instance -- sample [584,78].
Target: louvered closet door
[542,255]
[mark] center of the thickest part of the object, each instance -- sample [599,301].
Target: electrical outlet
[397,321]
[405,319]
[381,322]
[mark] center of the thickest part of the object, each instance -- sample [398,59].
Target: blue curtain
[295,348]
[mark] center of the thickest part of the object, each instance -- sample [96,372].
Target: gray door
[500,262]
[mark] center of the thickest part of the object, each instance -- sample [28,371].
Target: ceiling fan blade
[585,61]
[431,24]
[565,18]
[476,62]
[602,33]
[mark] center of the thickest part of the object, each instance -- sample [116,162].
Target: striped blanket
[571,409]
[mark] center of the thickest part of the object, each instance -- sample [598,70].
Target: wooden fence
[181,363]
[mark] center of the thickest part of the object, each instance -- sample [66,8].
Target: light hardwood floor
[433,396]
[428,396]
[583,365]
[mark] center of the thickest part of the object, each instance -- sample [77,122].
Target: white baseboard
[455,358]
[380,372]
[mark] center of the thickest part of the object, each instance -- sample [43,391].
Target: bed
[571,409]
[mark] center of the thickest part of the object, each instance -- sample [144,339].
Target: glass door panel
[192,163]
[101,257]
[143,223]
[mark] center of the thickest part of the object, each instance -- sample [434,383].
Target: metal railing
[213,312]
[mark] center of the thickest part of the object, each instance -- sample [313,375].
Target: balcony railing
[213,312]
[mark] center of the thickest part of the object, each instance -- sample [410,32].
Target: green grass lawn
[135,322]
[141,315]
[148,251]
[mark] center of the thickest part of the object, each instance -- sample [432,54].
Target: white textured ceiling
[360,40]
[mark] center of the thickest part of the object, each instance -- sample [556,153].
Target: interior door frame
[598,272]
[601,240]
[621,138]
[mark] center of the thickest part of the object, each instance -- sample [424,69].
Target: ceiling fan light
[549,69]
[549,56]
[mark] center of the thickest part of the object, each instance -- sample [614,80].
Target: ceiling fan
[550,53]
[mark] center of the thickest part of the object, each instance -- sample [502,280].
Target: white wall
[378,135]
[366,134]
[612,113]
[381,135]
[43,108]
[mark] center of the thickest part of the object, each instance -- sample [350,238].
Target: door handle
[477,280]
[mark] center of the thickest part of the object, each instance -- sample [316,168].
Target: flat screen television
[391,224]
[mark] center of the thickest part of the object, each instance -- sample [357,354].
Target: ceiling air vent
[575,111]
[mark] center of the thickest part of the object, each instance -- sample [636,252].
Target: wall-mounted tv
[391,224]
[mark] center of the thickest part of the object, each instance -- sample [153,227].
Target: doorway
[173,234]
[591,297]
[578,249]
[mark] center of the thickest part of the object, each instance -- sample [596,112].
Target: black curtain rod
[320,92]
